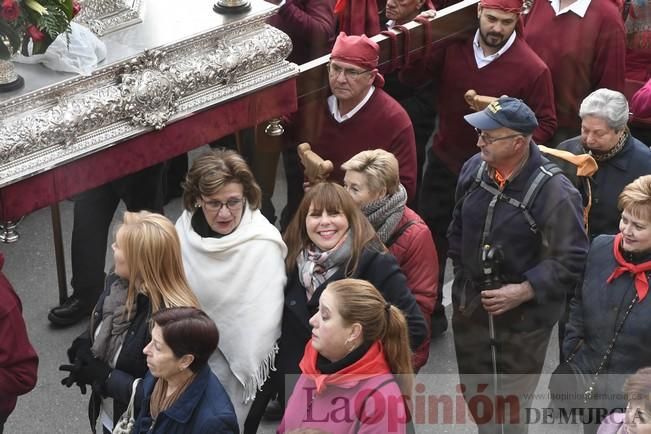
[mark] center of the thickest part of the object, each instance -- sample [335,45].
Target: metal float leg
[59,253]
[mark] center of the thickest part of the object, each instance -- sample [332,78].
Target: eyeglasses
[216,205]
[490,140]
[350,74]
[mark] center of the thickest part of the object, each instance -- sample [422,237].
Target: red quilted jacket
[416,254]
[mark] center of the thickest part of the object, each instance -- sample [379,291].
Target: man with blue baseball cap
[518,245]
[505,128]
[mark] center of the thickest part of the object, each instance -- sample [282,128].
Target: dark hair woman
[234,260]
[180,393]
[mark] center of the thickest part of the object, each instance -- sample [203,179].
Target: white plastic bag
[82,55]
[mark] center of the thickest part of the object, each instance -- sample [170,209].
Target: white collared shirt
[483,60]
[390,24]
[579,7]
[334,107]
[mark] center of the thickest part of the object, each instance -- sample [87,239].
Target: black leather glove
[92,371]
[79,345]
[72,376]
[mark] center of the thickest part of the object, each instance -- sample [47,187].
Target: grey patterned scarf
[316,266]
[115,322]
[385,214]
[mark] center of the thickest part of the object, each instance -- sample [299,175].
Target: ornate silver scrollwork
[148,91]
[106,16]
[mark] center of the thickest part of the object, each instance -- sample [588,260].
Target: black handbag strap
[606,358]
[398,233]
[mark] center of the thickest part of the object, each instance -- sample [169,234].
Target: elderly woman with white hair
[621,157]
[372,178]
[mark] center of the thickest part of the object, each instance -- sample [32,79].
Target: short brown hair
[213,170]
[636,198]
[380,167]
[188,330]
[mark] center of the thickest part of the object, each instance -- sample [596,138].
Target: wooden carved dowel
[316,168]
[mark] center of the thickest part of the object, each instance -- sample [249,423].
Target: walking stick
[491,258]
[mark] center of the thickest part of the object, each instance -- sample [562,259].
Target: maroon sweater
[310,24]
[583,54]
[18,360]
[381,123]
[518,73]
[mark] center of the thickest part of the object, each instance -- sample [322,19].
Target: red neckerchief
[371,364]
[639,270]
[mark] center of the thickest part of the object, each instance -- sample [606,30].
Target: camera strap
[535,183]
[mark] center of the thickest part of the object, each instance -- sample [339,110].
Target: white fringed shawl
[239,280]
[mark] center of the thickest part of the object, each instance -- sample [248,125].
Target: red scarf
[371,364]
[639,270]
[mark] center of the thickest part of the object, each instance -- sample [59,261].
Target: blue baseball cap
[505,112]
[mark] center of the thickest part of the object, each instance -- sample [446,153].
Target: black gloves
[93,371]
[72,377]
[86,370]
[79,345]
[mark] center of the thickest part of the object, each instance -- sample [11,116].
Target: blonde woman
[373,181]
[608,331]
[147,276]
[359,341]
[235,263]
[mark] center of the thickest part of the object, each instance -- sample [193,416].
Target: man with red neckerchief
[359,115]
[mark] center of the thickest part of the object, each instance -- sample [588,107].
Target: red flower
[76,7]
[35,33]
[9,10]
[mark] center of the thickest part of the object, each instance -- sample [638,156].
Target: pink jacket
[347,408]
[416,254]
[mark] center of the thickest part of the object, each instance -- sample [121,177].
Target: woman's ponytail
[397,350]
[360,302]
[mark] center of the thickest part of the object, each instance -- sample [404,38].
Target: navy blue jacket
[599,309]
[551,259]
[633,161]
[203,408]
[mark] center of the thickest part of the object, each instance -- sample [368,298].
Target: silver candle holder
[232,6]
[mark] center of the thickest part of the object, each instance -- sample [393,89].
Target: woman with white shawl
[234,261]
